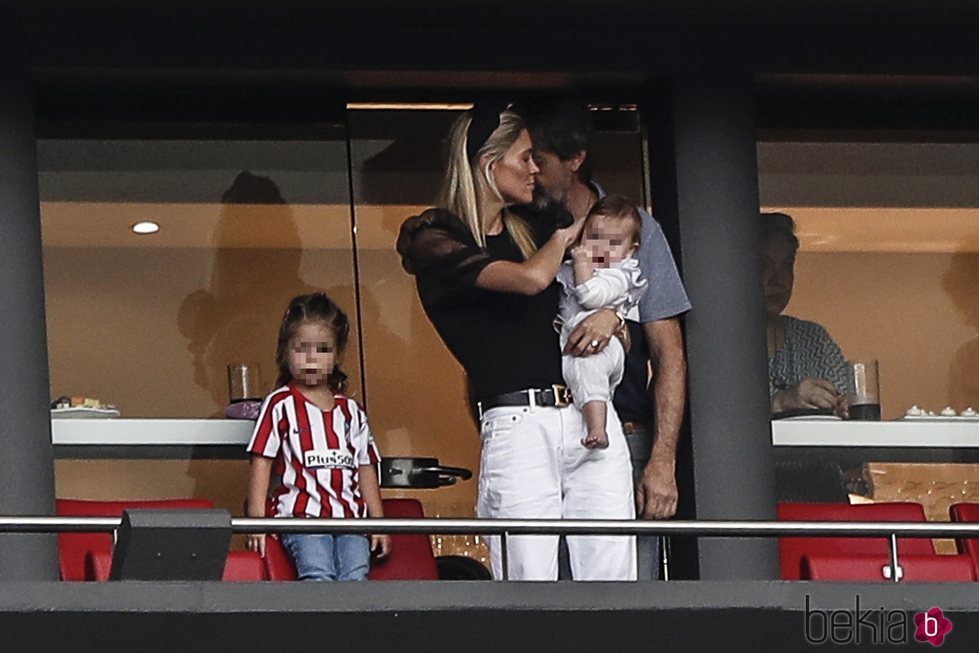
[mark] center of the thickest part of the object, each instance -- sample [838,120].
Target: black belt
[556,396]
[629,427]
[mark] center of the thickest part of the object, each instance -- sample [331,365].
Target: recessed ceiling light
[145,227]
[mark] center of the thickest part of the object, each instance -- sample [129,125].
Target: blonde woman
[485,277]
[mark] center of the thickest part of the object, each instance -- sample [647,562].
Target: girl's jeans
[328,557]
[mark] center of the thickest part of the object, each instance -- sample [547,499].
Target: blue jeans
[640,443]
[328,557]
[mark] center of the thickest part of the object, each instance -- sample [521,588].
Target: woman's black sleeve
[436,243]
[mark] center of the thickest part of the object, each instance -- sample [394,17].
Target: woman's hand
[810,393]
[536,274]
[593,333]
[570,234]
[622,333]
[256,542]
[380,545]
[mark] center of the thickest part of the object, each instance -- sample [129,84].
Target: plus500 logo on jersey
[328,459]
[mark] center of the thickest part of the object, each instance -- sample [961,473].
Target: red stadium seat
[98,563]
[72,547]
[793,549]
[921,568]
[278,564]
[243,566]
[240,566]
[967,513]
[411,556]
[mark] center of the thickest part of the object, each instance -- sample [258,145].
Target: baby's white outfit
[595,377]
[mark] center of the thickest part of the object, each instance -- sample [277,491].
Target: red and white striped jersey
[317,454]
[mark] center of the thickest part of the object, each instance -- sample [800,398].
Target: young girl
[602,273]
[319,445]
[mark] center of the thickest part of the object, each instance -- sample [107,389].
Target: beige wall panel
[918,314]
[225,482]
[152,330]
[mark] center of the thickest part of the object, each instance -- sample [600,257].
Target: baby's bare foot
[596,440]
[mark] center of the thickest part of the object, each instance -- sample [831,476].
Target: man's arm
[657,491]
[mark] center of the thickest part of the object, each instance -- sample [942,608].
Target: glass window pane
[416,390]
[889,258]
[150,322]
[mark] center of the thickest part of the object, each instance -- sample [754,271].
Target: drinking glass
[863,398]
[244,382]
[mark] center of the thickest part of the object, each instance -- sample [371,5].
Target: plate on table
[811,418]
[941,418]
[83,413]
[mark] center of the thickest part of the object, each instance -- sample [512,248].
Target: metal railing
[505,528]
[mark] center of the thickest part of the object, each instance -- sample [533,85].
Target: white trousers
[594,377]
[533,466]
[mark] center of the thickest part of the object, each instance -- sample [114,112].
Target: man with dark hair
[651,412]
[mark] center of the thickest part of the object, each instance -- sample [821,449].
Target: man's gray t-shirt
[664,298]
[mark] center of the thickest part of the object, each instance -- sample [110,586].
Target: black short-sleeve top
[504,341]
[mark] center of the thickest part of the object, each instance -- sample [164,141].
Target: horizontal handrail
[727,528]
[436,526]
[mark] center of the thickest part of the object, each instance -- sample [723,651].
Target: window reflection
[231,319]
[888,259]
[150,322]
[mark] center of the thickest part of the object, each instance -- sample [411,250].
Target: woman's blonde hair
[466,183]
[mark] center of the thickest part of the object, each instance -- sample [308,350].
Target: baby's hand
[580,253]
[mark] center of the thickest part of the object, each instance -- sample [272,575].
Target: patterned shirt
[318,454]
[808,352]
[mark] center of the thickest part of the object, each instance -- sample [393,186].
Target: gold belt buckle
[562,396]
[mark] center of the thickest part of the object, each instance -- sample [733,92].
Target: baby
[602,273]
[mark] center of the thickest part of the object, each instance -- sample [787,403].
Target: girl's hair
[319,309]
[619,208]
[469,180]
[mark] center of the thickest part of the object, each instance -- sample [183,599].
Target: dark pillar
[705,191]
[26,465]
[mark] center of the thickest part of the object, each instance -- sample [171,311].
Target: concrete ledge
[402,596]
[462,616]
